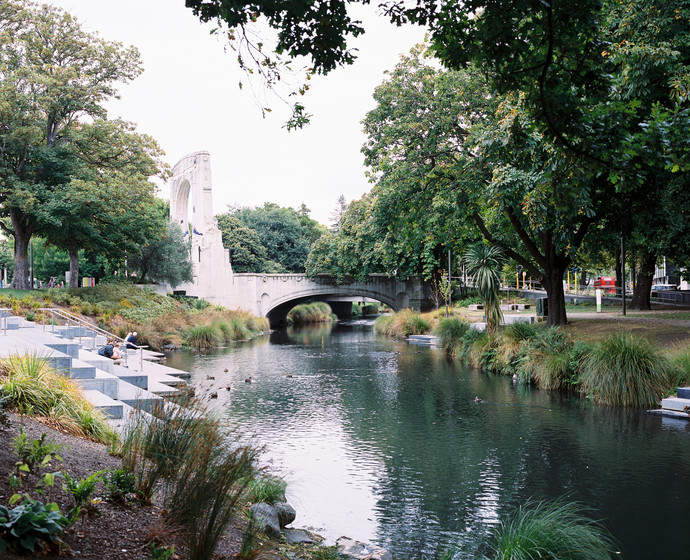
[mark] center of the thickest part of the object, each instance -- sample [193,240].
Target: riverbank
[160,321]
[120,529]
[633,360]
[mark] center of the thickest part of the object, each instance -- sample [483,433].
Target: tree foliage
[65,170]
[270,237]
[164,260]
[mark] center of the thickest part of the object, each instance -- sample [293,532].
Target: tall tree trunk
[73,264]
[641,298]
[22,238]
[553,284]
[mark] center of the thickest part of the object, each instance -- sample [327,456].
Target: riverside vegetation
[620,368]
[160,321]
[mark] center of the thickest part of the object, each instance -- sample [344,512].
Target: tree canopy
[269,239]
[67,172]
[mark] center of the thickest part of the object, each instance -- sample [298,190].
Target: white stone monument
[212,269]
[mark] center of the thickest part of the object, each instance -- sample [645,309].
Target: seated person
[131,340]
[112,351]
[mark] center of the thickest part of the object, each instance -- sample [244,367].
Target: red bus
[606,283]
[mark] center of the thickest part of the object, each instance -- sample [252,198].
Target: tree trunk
[73,264]
[641,298]
[22,238]
[553,284]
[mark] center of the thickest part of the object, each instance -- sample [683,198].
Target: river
[383,441]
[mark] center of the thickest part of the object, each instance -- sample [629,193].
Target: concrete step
[108,406]
[104,382]
[511,319]
[425,339]
[69,348]
[675,403]
[61,362]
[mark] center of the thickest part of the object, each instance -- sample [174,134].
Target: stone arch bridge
[265,295]
[274,295]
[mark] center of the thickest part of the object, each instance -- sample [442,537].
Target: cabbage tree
[484,264]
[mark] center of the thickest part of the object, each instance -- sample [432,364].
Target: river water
[383,441]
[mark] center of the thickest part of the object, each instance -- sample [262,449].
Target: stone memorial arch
[191,181]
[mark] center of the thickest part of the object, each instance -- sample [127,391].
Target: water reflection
[384,442]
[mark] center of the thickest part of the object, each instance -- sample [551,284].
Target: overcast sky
[188,100]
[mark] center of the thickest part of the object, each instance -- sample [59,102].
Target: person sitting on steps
[131,340]
[111,350]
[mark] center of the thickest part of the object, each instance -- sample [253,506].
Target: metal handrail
[4,318]
[79,322]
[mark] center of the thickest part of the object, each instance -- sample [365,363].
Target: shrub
[31,452]
[35,388]
[625,370]
[119,483]
[552,530]
[81,491]
[31,525]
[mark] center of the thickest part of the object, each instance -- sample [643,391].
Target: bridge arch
[276,311]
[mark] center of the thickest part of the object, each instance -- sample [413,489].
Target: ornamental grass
[552,530]
[33,387]
[200,470]
[402,324]
[451,333]
[626,370]
[315,312]
[202,336]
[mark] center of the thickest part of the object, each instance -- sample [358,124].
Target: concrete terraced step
[675,403]
[110,407]
[111,388]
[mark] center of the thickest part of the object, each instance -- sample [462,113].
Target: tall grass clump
[507,347]
[239,329]
[451,333]
[31,386]
[266,488]
[552,530]
[680,359]
[202,336]
[550,360]
[201,471]
[383,323]
[402,324]
[258,324]
[625,370]
[315,312]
